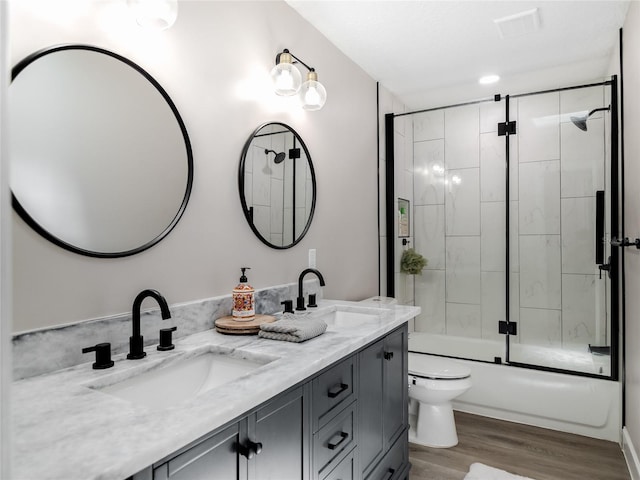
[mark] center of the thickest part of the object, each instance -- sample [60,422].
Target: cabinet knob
[250,449]
[388,355]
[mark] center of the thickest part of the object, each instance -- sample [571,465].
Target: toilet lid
[428,366]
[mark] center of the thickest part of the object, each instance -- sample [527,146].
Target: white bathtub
[569,403]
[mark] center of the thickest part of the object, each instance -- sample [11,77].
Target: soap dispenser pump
[244,303]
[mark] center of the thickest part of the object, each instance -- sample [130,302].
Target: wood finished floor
[520,449]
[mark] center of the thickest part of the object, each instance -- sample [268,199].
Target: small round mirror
[277,185]
[101,162]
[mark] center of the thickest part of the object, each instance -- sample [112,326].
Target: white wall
[214,63]
[5,258]
[631,72]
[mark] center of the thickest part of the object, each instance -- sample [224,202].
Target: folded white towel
[292,329]
[478,471]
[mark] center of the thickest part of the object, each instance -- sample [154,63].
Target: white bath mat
[478,471]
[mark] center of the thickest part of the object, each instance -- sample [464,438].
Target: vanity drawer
[332,390]
[394,463]
[346,469]
[334,440]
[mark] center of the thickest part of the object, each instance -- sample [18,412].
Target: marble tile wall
[459,218]
[562,302]
[459,195]
[46,350]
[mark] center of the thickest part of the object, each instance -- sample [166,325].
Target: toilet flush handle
[387,355]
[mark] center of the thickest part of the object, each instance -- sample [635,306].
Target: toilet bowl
[433,383]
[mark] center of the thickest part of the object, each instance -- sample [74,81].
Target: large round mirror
[277,185]
[101,162]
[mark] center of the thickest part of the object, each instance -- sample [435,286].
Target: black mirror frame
[241,171]
[21,65]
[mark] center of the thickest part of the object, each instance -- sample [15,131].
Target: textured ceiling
[415,47]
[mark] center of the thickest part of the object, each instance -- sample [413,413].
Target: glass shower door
[459,190]
[558,230]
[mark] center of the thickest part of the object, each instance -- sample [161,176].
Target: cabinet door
[213,458]
[395,409]
[371,441]
[282,429]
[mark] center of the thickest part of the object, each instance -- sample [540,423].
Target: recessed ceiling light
[488,79]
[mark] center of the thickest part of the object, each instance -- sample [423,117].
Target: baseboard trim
[630,455]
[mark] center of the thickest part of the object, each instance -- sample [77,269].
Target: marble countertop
[63,429]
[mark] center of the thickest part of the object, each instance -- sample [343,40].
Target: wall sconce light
[287,81]
[154,14]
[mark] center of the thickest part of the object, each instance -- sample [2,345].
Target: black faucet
[300,299]
[136,344]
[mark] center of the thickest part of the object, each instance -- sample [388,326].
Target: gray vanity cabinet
[270,443]
[215,457]
[282,428]
[382,405]
[348,422]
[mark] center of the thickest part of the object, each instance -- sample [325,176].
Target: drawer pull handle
[388,355]
[337,440]
[337,390]
[390,473]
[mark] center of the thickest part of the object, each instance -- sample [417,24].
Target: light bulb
[284,81]
[313,95]
[154,14]
[285,76]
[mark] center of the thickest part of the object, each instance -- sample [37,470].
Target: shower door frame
[615,219]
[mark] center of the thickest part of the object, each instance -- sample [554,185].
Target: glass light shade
[312,94]
[286,77]
[154,14]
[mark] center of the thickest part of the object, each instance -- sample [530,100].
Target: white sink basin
[169,385]
[341,319]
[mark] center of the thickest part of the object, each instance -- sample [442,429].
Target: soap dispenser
[244,303]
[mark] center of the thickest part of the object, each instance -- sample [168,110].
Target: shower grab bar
[599,227]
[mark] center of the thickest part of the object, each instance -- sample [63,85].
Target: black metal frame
[623,315]
[616,265]
[29,220]
[390,201]
[241,171]
[286,50]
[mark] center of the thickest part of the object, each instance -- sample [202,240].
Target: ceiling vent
[518,24]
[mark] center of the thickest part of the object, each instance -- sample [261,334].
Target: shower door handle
[606,267]
[600,228]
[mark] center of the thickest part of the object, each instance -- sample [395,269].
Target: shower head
[581,121]
[279,156]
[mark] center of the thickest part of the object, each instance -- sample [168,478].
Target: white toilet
[433,383]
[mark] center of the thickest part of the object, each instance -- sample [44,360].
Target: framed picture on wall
[404,219]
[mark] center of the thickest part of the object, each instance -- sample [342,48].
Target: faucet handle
[312,300]
[300,303]
[166,342]
[288,306]
[103,355]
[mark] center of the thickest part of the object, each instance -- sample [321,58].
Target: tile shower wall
[459,219]
[459,216]
[561,297]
